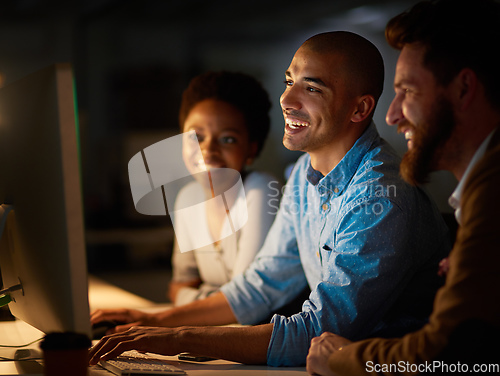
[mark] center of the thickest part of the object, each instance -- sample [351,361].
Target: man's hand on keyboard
[243,344]
[130,317]
[153,339]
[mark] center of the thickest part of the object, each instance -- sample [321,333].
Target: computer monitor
[41,217]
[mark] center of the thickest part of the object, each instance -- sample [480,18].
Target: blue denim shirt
[367,244]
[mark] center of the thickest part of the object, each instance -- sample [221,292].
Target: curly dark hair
[455,34]
[238,89]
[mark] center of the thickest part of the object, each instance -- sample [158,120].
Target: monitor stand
[24,362]
[5,314]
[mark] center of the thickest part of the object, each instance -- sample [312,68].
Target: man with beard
[366,243]
[447,104]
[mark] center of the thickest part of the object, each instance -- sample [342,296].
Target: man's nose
[290,99]
[394,114]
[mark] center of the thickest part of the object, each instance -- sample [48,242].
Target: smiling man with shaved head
[365,243]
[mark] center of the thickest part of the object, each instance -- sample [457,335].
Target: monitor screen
[42,245]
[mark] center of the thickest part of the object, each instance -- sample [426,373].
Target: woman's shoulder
[260,180]
[189,191]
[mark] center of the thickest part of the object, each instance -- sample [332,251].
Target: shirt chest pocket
[330,270]
[326,247]
[327,235]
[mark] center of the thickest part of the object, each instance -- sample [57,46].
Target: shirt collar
[338,178]
[456,196]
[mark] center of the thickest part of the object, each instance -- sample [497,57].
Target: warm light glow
[2,80]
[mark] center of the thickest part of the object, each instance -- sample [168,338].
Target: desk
[104,295]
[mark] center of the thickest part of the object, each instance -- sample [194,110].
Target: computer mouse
[100,328]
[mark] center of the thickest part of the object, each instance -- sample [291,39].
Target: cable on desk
[3,359]
[21,354]
[25,345]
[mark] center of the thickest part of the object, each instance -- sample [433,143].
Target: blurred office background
[132,59]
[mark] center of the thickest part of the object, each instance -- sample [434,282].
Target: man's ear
[465,87]
[366,104]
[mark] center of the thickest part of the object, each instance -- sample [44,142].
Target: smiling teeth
[296,124]
[408,135]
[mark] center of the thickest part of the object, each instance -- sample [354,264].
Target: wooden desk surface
[104,295]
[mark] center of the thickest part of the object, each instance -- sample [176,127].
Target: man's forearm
[214,310]
[246,345]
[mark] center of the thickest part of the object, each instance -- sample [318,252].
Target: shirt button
[325,207]
[336,190]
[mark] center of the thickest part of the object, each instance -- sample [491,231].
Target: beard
[428,141]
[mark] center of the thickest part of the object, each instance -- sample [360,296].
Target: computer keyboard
[133,363]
